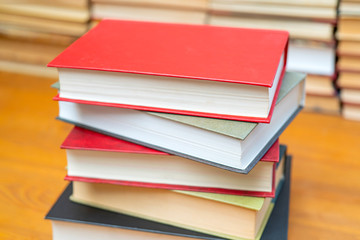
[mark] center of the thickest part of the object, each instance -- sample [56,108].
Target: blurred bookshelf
[33,32]
[324,36]
[348,65]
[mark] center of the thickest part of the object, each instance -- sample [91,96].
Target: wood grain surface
[325,188]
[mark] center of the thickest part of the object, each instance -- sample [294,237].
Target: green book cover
[254,203]
[236,129]
[56,85]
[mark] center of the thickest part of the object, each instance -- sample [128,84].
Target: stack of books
[174,11]
[176,132]
[312,47]
[33,32]
[348,34]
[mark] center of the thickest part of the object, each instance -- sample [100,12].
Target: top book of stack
[207,71]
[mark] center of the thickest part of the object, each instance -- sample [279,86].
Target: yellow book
[47,12]
[229,216]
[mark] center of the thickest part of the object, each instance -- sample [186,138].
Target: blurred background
[323,139]
[325,36]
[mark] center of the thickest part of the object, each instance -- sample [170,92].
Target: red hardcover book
[94,157]
[200,70]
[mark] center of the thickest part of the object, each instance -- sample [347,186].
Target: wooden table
[325,188]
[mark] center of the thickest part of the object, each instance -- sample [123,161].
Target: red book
[200,70]
[94,157]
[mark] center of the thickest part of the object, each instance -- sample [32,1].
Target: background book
[25,35]
[202,4]
[211,141]
[79,4]
[318,10]
[351,111]
[320,85]
[27,51]
[351,96]
[174,11]
[47,11]
[323,104]
[94,157]
[350,80]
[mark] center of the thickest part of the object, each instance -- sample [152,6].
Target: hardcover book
[222,143]
[228,216]
[160,11]
[200,70]
[74,221]
[94,157]
[351,111]
[322,11]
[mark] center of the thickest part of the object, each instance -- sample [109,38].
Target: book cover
[249,57]
[65,211]
[178,50]
[84,139]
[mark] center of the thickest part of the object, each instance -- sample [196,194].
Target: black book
[75,221]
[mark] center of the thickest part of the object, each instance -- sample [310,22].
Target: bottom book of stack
[104,211]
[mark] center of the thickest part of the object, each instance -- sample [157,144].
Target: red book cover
[178,50]
[201,52]
[83,139]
